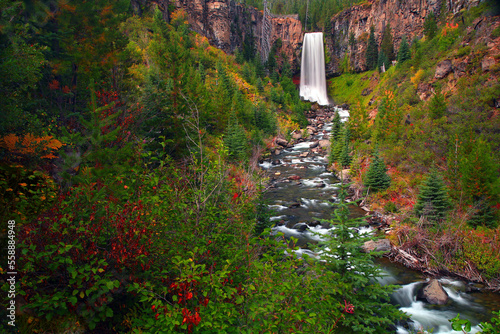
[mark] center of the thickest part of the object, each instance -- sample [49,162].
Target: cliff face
[226,24]
[405,17]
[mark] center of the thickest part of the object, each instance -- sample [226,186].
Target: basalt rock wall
[406,17]
[227,24]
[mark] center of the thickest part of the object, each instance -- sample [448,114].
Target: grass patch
[348,88]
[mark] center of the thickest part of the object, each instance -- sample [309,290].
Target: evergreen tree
[387,44]
[430,26]
[382,60]
[437,106]
[483,215]
[235,139]
[336,127]
[371,50]
[260,85]
[376,177]
[345,158]
[354,276]
[433,201]
[404,53]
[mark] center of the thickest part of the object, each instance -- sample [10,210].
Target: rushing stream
[301,193]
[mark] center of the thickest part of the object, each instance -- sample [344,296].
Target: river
[301,193]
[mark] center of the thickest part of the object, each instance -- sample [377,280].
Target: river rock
[294,205]
[304,154]
[297,135]
[433,293]
[313,145]
[281,142]
[311,130]
[382,245]
[294,177]
[277,152]
[314,223]
[324,143]
[301,227]
[443,68]
[276,162]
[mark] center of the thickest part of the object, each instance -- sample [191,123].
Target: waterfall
[312,71]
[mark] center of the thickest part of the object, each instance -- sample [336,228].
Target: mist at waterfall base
[312,69]
[298,203]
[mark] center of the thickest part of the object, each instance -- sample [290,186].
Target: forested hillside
[129,181]
[131,192]
[433,118]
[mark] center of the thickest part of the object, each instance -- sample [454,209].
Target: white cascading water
[312,69]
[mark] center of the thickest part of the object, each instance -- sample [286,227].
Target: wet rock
[344,106]
[443,68]
[294,177]
[321,185]
[301,227]
[314,223]
[382,245]
[277,174]
[304,154]
[433,293]
[277,152]
[294,205]
[313,145]
[276,162]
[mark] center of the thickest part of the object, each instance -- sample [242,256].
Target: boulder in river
[294,205]
[303,154]
[324,143]
[315,144]
[433,293]
[382,245]
[301,227]
[294,177]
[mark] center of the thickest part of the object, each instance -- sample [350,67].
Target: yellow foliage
[286,125]
[417,77]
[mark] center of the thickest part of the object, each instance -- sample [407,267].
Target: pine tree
[382,61]
[387,44]
[430,26]
[354,276]
[483,215]
[371,51]
[433,201]
[376,178]
[437,106]
[235,139]
[345,158]
[404,53]
[335,139]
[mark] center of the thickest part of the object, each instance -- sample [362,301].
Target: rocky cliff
[227,24]
[405,17]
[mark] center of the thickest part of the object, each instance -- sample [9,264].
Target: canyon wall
[406,17]
[227,24]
